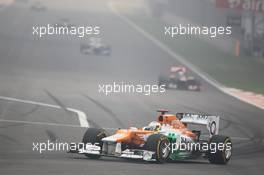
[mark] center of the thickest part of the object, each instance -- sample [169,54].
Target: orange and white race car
[167,138]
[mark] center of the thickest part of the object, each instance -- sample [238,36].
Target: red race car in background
[178,79]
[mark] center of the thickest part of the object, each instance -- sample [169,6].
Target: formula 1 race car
[166,139]
[95,46]
[179,80]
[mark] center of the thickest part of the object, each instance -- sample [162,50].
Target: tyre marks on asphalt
[22,115]
[5,109]
[58,102]
[64,107]
[82,116]
[255,142]
[105,109]
[7,138]
[52,136]
[27,113]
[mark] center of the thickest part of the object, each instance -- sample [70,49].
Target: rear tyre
[109,50]
[222,151]
[159,144]
[162,81]
[92,136]
[193,85]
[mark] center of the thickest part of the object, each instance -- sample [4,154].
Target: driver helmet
[154,126]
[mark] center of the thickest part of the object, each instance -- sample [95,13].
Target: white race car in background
[96,47]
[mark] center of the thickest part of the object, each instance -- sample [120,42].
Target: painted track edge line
[81,115]
[225,90]
[38,123]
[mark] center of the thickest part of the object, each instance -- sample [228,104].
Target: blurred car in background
[95,47]
[178,79]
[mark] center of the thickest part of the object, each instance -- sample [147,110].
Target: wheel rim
[165,149]
[228,153]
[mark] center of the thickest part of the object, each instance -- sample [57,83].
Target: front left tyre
[159,144]
[92,136]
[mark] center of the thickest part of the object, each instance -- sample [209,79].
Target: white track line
[81,115]
[38,123]
[176,56]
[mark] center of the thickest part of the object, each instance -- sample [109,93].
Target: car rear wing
[211,122]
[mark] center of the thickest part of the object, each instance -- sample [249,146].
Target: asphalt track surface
[53,71]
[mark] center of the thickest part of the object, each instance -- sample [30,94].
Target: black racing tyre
[109,49]
[94,135]
[163,81]
[194,84]
[220,149]
[159,144]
